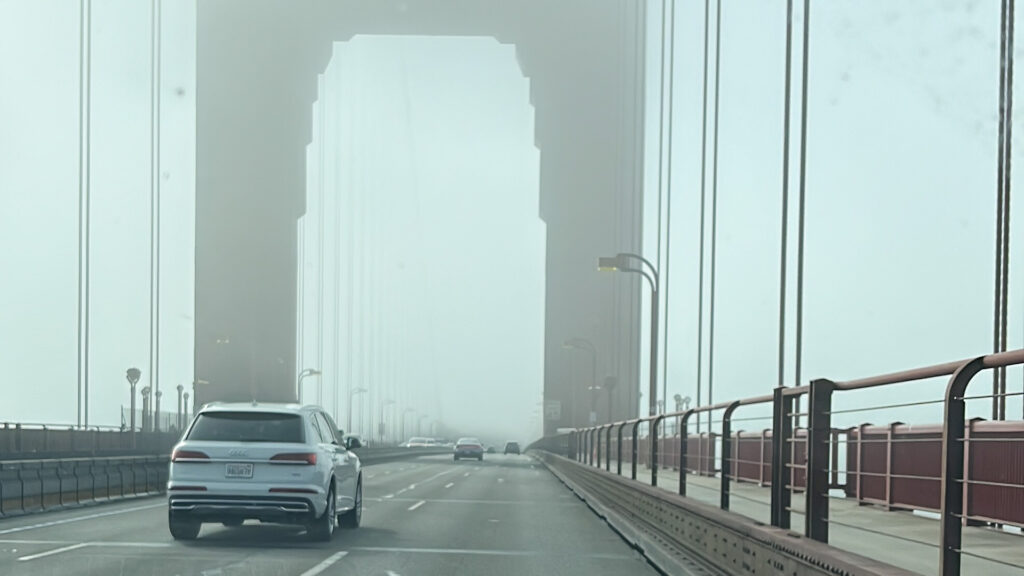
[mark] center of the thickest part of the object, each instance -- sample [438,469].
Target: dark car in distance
[512,448]
[469,448]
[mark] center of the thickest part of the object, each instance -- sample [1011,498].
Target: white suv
[280,463]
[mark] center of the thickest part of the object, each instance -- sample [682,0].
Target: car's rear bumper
[468,454]
[290,509]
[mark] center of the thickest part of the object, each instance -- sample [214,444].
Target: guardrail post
[953,468]
[618,449]
[636,446]
[684,441]
[590,446]
[608,448]
[597,446]
[653,435]
[782,431]
[819,431]
[726,453]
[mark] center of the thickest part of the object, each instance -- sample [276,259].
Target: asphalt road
[431,516]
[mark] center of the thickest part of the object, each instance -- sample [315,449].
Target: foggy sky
[900,204]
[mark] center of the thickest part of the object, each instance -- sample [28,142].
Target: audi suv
[276,463]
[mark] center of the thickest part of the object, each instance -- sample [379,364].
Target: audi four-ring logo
[238,452]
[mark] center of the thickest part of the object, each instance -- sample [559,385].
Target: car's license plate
[238,470]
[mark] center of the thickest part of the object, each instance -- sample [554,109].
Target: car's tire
[233,523]
[183,529]
[480,458]
[456,458]
[353,518]
[322,528]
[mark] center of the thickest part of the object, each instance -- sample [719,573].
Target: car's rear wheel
[233,522]
[456,458]
[321,529]
[183,529]
[480,458]
[354,517]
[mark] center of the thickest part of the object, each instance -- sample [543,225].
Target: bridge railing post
[953,433]
[819,430]
[684,440]
[782,432]
[597,446]
[608,447]
[653,435]
[636,446]
[618,448]
[726,453]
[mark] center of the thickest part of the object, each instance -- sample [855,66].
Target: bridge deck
[905,539]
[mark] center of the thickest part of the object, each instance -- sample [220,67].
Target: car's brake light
[308,458]
[292,491]
[189,456]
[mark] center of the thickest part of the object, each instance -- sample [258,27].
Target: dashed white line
[393,573]
[81,518]
[467,473]
[325,564]
[501,480]
[389,496]
[52,552]
[449,485]
[417,505]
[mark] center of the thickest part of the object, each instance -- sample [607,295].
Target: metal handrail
[818,441]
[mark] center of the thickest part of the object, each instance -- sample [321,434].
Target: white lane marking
[501,480]
[387,472]
[81,518]
[467,473]
[389,496]
[393,573]
[417,505]
[472,501]
[402,491]
[449,485]
[412,487]
[370,475]
[52,552]
[325,564]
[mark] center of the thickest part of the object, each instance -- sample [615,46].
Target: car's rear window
[247,427]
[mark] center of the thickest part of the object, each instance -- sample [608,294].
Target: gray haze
[900,208]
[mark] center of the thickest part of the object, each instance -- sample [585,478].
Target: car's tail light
[292,491]
[306,458]
[188,488]
[189,456]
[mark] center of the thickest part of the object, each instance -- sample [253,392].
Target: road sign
[553,410]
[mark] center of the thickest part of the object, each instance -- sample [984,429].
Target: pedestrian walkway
[905,539]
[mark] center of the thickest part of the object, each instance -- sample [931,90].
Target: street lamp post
[624,262]
[351,394]
[587,345]
[302,375]
[145,408]
[156,410]
[609,384]
[380,425]
[180,420]
[133,375]
[185,420]
[404,412]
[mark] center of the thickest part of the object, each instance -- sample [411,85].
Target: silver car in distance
[278,463]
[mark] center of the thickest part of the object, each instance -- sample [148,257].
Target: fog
[422,250]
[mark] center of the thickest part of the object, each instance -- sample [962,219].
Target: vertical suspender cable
[703,180]
[661,144]
[1000,160]
[154,204]
[784,223]
[714,210]
[668,199]
[800,213]
[84,203]
[1006,189]
[320,240]
[81,196]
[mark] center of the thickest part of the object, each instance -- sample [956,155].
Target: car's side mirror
[352,443]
